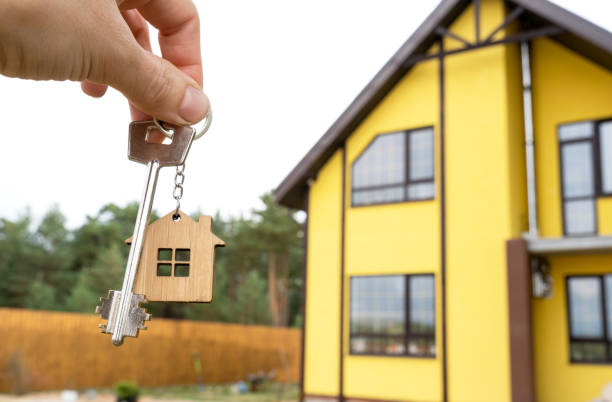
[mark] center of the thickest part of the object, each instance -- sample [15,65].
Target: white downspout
[532,200]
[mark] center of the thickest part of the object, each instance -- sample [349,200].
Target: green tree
[105,273]
[41,296]
[257,277]
[21,258]
[279,237]
[251,304]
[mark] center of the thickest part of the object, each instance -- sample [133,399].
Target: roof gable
[573,31]
[204,223]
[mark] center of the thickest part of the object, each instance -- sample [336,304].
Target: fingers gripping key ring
[169,133]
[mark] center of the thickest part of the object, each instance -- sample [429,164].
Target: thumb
[158,88]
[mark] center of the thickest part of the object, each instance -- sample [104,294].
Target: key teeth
[136,316]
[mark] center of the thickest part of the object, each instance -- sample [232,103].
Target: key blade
[142,220]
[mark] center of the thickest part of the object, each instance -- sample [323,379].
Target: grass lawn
[272,392]
[266,392]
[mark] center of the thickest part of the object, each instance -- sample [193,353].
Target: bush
[126,390]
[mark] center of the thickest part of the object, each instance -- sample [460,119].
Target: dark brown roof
[578,34]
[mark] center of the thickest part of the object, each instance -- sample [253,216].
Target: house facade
[459,216]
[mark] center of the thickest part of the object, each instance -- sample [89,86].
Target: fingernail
[194,105]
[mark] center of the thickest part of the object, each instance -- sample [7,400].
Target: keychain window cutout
[164,254]
[164,269]
[165,262]
[182,254]
[181,270]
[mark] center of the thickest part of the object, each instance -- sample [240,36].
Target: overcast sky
[278,74]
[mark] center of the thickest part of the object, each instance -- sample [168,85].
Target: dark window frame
[407,181]
[407,335]
[598,191]
[604,320]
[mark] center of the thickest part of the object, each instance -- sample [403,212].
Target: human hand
[106,42]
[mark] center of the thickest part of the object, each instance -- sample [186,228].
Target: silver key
[121,309]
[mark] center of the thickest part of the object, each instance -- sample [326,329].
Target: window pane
[585,307]
[420,191]
[383,162]
[422,314]
[367,197]
[576,131]
[374,345]
[422,347]
[377,305]
[577,169]
[588,351]
[605,136]
[580,216]
[421,154]
[608,287]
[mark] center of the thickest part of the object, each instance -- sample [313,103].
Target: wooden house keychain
[173,258]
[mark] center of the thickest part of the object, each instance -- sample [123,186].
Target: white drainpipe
[532,200]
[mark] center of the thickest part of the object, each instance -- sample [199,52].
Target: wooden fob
[177,260]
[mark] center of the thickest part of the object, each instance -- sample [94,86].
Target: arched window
[395,167]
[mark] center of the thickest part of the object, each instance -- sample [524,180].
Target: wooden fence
[41,350]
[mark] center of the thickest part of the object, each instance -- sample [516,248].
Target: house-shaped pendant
[177,261]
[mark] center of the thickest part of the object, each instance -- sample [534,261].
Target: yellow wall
[604,215]
[566,88]
[398,238]
[321,370]
[486,206]
[556,379]
[485,203]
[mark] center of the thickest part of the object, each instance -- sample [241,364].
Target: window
[589,301]
[586,172]
[393,315]
[395,167]
[605,156]
[180,262]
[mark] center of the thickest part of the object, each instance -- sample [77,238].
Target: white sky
[278,74]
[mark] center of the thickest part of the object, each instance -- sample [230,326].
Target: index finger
[178,24]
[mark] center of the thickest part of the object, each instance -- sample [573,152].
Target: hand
[106,42]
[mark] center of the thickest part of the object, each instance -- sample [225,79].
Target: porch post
[519,306]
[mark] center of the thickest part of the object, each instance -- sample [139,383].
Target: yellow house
[460,219]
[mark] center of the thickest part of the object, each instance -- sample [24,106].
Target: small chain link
[179,179]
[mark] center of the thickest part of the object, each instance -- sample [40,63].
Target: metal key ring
[206,124]
[169,133]
[159,124]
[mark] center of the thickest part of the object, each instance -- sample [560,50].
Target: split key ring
[169,133]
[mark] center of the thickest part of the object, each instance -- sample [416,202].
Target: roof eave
[292,189]
[581,35]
